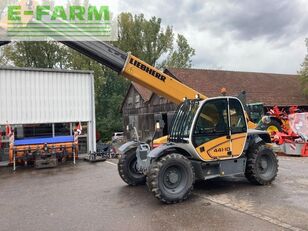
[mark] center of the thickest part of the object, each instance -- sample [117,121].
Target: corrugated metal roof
[45,70]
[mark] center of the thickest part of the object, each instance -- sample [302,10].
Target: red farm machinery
[288,129]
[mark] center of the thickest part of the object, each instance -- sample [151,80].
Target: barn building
[141,107]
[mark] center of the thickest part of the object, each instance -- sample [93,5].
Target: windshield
[182,120]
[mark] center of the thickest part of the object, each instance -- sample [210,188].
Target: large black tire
[171,178]
[262,165]
[127,169]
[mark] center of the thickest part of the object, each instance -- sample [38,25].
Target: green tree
[181,56]
[3,58]
[145,38]
[36,54]
[304,72]
[109,100]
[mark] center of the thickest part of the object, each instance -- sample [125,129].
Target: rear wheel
[127,169]
[262,165]
[171,178]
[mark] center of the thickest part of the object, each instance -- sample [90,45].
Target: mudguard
[127,146]
[167,148]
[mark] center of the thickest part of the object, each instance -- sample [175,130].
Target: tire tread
[123,172]
[153,176]
[251,171]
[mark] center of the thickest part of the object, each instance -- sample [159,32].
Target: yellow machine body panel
[223,147]
[155,80]
[159,141]
[251,125]
[238,143]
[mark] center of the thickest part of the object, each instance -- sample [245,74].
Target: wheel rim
[132,168]
[266,166]
[174,178]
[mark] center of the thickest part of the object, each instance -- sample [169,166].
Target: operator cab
[216,127]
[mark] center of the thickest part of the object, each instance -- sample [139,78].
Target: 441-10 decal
[227,149]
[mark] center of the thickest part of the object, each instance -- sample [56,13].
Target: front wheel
[262,165]
[127,169]
[171,178]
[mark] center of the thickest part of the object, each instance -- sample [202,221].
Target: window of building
[137,101]
[83,145]
[62,129]
[130,101]
[84,126]
[162,100]
[33,130]
[83,138]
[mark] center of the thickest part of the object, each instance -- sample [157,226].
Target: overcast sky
[239,35]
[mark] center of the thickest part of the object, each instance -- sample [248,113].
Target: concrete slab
[93,197]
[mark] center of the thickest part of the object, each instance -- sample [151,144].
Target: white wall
[28,97]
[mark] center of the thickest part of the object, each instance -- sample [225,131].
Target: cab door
[211,134]
[218,130]
[238,126]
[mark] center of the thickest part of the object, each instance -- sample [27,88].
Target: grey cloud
[223,31]
[273,19]
[244,19]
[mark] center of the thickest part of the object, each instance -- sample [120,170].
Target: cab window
[237,118]
[212,121]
